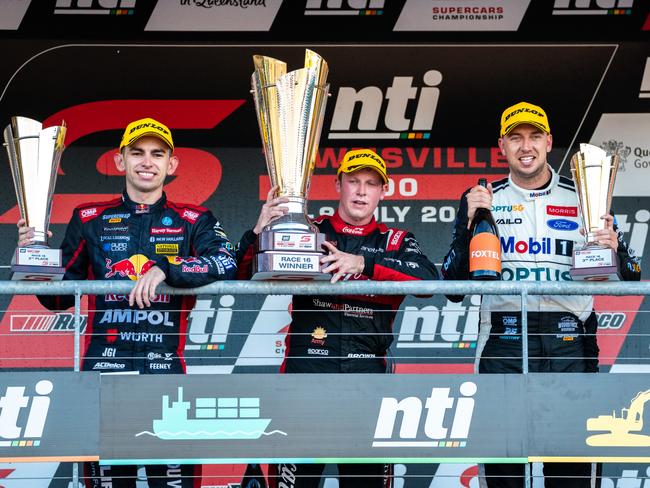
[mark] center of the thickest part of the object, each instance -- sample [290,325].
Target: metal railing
[418,288]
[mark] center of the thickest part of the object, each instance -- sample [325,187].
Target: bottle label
[485,253]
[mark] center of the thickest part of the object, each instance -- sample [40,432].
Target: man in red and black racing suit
[537,214]
[346,334]
[141,236]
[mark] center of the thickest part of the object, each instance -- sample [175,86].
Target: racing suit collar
[342,227]
[534,194]
[143,208]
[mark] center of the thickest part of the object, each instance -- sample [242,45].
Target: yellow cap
[363,158]
[146,127]
[524,113]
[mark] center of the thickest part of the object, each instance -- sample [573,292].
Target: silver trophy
[594,173]
[34,155]
[290,110]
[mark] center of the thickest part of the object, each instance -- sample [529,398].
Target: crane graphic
[621,430]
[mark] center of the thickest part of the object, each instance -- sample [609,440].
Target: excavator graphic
[620,428]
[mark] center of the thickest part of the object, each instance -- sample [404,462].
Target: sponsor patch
[562,224]
[166,248]
[562,211]
[166,230]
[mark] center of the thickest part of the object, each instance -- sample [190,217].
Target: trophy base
[595,264]
[37,264]
[277,265]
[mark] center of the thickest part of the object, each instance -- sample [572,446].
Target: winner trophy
[34,155]
[593,174]
[290,110]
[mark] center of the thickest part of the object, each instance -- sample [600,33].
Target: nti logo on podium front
[15,429]
[408,113]
[446,424]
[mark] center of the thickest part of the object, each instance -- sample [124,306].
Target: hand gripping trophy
[594,173]
[34,155]
[290,110]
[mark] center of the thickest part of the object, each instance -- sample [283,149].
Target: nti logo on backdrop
[350,7]
[593,7]
[15,430]
[408,112]
[442,428]
[94,7]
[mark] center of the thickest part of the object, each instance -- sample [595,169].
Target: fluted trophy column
[34,156]
[290,110]
[594,173]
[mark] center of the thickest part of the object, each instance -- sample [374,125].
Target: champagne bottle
[484,245]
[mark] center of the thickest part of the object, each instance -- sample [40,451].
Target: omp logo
[349,7]
[593,7]
[408,113]
[453,326]
[636,232]
[645,81]
[14,428]
[441,428]
[94,7]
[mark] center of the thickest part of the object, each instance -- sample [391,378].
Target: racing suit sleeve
[402,264]
[629,263]
[455,266]
[75,259]
[212,257]
[244,251]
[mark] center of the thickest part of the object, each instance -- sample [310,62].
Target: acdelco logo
[401,120]
[452,434]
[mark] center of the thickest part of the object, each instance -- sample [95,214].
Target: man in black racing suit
[537,214]
[141,236]
[345,334]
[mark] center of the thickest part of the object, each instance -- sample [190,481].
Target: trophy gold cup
[594,173]
[290,109]
[34,155]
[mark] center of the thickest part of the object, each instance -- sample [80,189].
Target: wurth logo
[644,92]
[593,7]
[408,113]
[349,7]
[94,7]
[452,326]
[17,430]
[441,428]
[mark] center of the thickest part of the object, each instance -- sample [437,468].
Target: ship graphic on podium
[214,418]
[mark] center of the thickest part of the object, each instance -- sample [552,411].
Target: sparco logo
[349,7]
[593,7]
[11,404]
[95,7]
[435,428]
[409,111]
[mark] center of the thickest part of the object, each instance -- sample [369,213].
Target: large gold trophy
[34,155]
[290,110]
[594,173]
